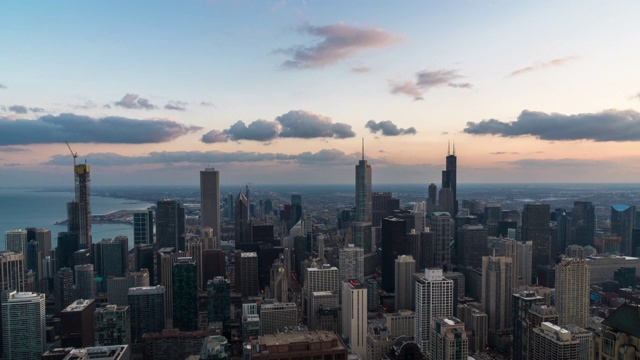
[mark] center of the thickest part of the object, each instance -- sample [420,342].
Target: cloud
[87,105]
[18,109]
[426,80]
[84,129]
[133,101]
[336,42]
[388,128]
[325,156]
[608,125]
[504,153]
[294,124]
[207,103]
[176,105]
[543,65]
[305,124]
[36,109]
[3,86]
[360,69]
[12,149]
[558,163]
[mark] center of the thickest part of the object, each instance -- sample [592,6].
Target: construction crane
[74,154]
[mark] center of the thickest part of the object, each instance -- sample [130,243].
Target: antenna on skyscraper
[449,148]
[454,148]
[74,154]
[362,149]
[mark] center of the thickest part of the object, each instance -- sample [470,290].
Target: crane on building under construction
[74,154]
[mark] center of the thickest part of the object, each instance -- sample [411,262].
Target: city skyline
[284,91]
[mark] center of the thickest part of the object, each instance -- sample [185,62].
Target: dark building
[381,207]
[296,209]
[394,239]
[626,277]
[262,233]
[248,273]
[449,177]
[521,304]
[185,294]
[147,307]
[143,227]
[63,288]
[79,210]
[472,245]
[170,225]
[214,264]
[564,231]
[143,257]
[219,302]
[622,224]
[111,256]
[77,324]
[67,245]
[432,198]
[536,228]
[583,220]
[241,218]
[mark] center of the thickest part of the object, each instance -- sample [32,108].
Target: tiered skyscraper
[449,177]
[363,190]
[210,200]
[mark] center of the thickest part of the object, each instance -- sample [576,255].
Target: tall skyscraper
[583,220]
[572,291]
[142,227]
[322,278]
[185,295]
[536,228]
[79,210]
[112,256]
[622,224]
[16,241]
[393,238]
[471,245]
[63,289]
[210,200]
[442,227]
[195,251]
[432,198]
[363,190]
[85,286]
[434,298]
[522,303]
[241,219]
[147,310]
[497,281]
[405,267]
[296,209]
[351,263]
[170,224]
[219,301]
[449,177]
[354,316]
[249,274]
[23,325]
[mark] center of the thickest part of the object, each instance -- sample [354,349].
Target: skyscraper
[448,339]
[77,324]
[63,289]
[536,228]
[434,298]
[16,241]
[241,219]
[351,263]
[442,227]
[185,295]
[354,316]
[142,227]
[622,224]
[393,238]
[363,190]
[572,291]
[147,310]
[79,210]
[449,177]
[210,200]
[86,288]
[276,317]
[111,256]
[112,325]
[405,266]
[296,209]
[170,224]
[23,325]
[219,301]
[583,220]
[497,281]
[12,270]
[522,303]
[317,279]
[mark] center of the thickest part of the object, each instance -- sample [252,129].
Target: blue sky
[529,91]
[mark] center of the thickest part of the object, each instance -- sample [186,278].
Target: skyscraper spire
[363,149]
[449,148]
[454,147]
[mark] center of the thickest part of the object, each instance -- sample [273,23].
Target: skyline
[283,91]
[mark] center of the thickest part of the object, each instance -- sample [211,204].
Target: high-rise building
[449,177]
[351,263]
[195,252]
[405,266]
[276,317]
[354,316]
[380,203]
[476,322]
[208,238]
[147,310]
[210,200]
[471,245]
[77,324]
[497,281]
[249,282]
[432,198]
[622,224]
[583,221]
[12,270]
[522,303]
[572,291]
[434,298]
[279,281]
[118,287]
[16,241]
[219,301]
[553,342]
[393,238]
[85,285]
[536,228]
[448,339]
[241,219]
[112,256]
[170,224]
[363,190]
[142,227]
[321,278]
[63,289]
[618,337]
[144,259]
[79,210]
[400,323]
[23,325]
[442,227]
[213,264]
[185,295]
[166,257]
[112,325]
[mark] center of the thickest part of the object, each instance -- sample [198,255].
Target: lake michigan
[22,208]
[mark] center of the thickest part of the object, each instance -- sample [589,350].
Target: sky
[267,92]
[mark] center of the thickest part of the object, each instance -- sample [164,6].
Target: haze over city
[283,91]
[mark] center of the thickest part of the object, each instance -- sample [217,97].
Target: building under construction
[79,210]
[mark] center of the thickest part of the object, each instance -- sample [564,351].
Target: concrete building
[405,267]
[551,342]
[400,323]
[112,325]
[85,285]
[276,317]
[476,322]
[323,301]
[249,273]
[354,316]
[321,278]
[434,298]
[497,273]
[147,305]
[619,336]
[351,263]
[23,325]
[378,341]
[448,339]
[16,241]
[572,291]
[64,292]
[12,270]
[210,200]
[118,287]
[298,345]
[77,324]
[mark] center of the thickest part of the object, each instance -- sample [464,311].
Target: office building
[147,310]
[185,294]
[522,303]
[553,342]
[434,298]
[400,323]
[449,178]
[321,278]
[12,271]
[324,308]
[471,245]
[85,285]
[144,258]
[442,228]
[219,301]
[209,240]
[16,241]
[210,200]
[393,238]
[298,344]
[195,252]
[296,209]
[363,190]
[170,225]
[142,227]
[249,274]
[118,287]
[405,267]
[354,316]
[381,203]
[536,228]
[23,325]
[372,294]
[112,325]
[622,224]
[572,291]
[111,256]
[276,317]
[166,257]
[77,324]
[497,273]
[448,339]
[476,322]
[241,219]
[351,263]
[214,264]
[583,221]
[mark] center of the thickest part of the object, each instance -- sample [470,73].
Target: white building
[434,298]
[354,316]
